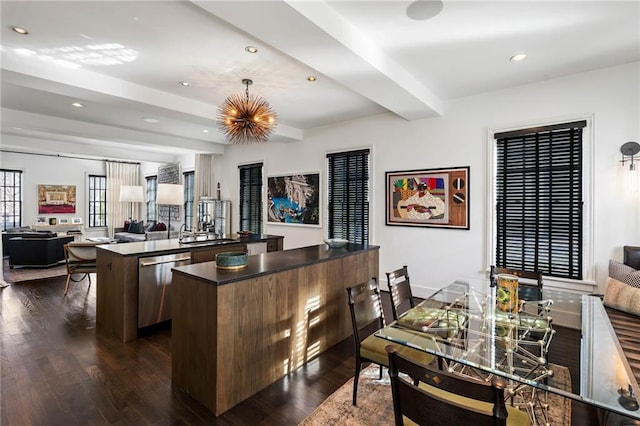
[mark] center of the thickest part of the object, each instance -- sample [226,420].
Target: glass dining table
[461,324]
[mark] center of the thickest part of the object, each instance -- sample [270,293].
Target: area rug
[17,275]
[375,405]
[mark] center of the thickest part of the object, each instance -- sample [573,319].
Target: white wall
[47,170]
[459,138]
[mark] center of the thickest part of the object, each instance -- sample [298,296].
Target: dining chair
[442,398]
[80,258]
[529,289]
[400,291]
[367,317]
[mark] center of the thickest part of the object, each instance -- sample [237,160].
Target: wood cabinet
[235,333]
[117,278]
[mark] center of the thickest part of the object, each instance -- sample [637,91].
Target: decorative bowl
[231,260]
[336,242]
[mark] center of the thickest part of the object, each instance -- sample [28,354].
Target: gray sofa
[126,237]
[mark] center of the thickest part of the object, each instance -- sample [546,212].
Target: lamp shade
[170,194]
[131,194]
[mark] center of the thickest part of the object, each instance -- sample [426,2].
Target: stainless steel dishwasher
[154,291]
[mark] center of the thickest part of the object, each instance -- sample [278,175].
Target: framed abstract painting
[294,199]
[428,198]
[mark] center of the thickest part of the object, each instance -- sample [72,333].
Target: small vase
[507,293]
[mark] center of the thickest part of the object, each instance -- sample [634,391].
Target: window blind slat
[539,200]
[348,195]
[251,197]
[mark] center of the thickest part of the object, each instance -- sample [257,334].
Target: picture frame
[63,221]
[41,220]
[294,199]
[437,198]
[76,221]
[56,199]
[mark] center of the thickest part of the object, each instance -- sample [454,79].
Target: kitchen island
[122,303]
[234,332]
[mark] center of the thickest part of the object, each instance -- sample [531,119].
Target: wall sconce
[629,151]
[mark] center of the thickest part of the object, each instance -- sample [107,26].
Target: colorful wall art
[294,199]
[432,198]
[56,199]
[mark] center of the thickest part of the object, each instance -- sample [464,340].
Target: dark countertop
[167,246]
[269,263]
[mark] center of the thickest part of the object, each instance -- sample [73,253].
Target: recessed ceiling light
[312,78]
[20,30]
[150,120]
[251,49]
[205,131]
[518,57]
[77,105]
[184,83]
[422,10]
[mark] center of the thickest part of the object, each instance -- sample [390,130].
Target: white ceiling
[123,60]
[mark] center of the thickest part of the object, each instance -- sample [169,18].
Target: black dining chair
[400,291]
[367,317]
[424,395]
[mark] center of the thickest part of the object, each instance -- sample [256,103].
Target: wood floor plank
[56,369]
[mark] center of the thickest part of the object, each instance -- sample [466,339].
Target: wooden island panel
[230,341]
[117,276]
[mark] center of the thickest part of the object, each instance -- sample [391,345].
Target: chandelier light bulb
[245,118]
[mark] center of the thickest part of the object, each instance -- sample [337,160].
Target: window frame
[189,179]
[249,216]
[151,195]
[20,200]
[587,283]
[368,203]
[99,205]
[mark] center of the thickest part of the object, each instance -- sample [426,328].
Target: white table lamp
[131,194]
[172,195]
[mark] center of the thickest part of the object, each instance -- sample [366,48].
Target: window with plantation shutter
[348,195]
[189,188]
[251,198]
[539,200]
[10,198]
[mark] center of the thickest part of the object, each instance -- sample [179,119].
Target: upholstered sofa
[23,231]
[142,234]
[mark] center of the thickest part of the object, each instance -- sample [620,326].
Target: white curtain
[119,174]
[204,186]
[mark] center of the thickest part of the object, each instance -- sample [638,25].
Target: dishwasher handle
[161,262]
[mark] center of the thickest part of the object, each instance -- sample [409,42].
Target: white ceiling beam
[76,131]
[31,72]
[334,47]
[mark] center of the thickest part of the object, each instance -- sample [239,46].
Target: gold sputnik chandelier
[246,119]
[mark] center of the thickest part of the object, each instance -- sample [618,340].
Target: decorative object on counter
[336,242]
[244,233]
[428,198]
[53,221]
[231,260]
[246,119]
[507,293]
[294,199]
[170,194]
[131,194]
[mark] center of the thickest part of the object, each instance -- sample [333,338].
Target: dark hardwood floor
[56,370]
